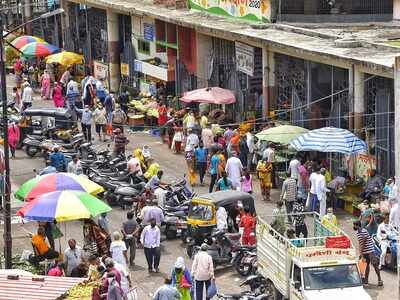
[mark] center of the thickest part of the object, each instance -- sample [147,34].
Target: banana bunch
[82,290]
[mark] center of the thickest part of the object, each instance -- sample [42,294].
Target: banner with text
[254,10]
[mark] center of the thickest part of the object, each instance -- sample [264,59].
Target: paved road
[174,167]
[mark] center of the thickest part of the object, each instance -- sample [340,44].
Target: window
[201,212]
[144,47]
[296,274]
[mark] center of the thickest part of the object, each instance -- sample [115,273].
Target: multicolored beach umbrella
[38,49]
[21,41]
[63,206]
[56,182]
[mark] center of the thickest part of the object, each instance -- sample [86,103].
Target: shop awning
[32,287]
[329,139]
[211,95]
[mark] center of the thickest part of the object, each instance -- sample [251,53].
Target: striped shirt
[365,241]
[289,190]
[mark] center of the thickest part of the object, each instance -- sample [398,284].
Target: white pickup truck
[313,268]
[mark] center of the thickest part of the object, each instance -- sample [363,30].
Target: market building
[311,74]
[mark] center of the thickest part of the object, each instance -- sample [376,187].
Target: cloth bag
[212,290]
[362,266]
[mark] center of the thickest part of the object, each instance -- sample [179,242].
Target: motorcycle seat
[176,214]
[126,191]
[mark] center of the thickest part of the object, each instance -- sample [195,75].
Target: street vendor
[42,249]
[374,185]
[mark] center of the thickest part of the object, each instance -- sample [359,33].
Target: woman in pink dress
[13,138]
[45,82]
[58,96]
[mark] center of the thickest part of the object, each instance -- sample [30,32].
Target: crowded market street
[174,167]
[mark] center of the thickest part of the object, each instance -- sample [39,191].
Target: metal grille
[128,52]
[380,121]
[292,7]
[372,6]
[291,83]
[97,19]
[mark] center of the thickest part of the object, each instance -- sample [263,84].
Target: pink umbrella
[212,95]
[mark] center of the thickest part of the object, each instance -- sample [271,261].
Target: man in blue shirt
[200,155]
[57,160]
[213,170]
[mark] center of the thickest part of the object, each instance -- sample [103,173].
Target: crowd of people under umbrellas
[230,157]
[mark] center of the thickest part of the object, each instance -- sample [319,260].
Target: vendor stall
[335,140]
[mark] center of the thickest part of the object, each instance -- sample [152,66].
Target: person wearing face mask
[329,220]
[150,239]
[182,279]
[86,122]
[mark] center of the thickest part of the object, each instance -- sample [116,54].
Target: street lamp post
[3,91]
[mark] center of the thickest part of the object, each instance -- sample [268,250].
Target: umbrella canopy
[329,139]
[212,95]
[56,182]
[65,58]
[63,206]
[38,49]
[21,41]
[283,134]
[10,36]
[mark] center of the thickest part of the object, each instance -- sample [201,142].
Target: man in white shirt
[234,170]
[72,256]
[202,271]
[312,203]
[152,212]
[251,146]
[294,168]
[321,191]
[27,96]
[192,141]
[269,153]
[222,219]
[150,239]
[383,234]
[394,217]
[74,166]
[207,137]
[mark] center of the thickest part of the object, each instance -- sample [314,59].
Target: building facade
[312,76]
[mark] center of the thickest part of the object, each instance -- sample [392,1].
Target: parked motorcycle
[245,260]
[222,247]
[391,254]
[257,285]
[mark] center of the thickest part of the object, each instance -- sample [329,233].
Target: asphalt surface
[174,169]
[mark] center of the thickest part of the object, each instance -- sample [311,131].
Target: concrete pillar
[351,98]
[266,75]
[359,102]
[203,53]
[64,18]
[113,50]
[396,9]
[270,90]
[397,124]
[28,16]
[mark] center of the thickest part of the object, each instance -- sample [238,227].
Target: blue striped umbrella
[329,139]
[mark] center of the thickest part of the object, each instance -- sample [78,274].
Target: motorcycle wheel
[244,269]
[169,233]
[31,151]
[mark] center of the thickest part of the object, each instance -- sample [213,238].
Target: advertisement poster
[254,10]
[124,69]
[244,58]
[101,72]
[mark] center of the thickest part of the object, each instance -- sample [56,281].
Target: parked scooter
[257,285]
[391,254]
[245,260]
[222,247]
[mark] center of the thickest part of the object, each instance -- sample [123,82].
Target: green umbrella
[283,134]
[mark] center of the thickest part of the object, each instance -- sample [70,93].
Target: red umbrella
[212,95]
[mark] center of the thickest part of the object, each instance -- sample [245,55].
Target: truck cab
[321,266]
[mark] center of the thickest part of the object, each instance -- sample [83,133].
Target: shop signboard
[101,72]
[148,32]
[244,58]
[253,10]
